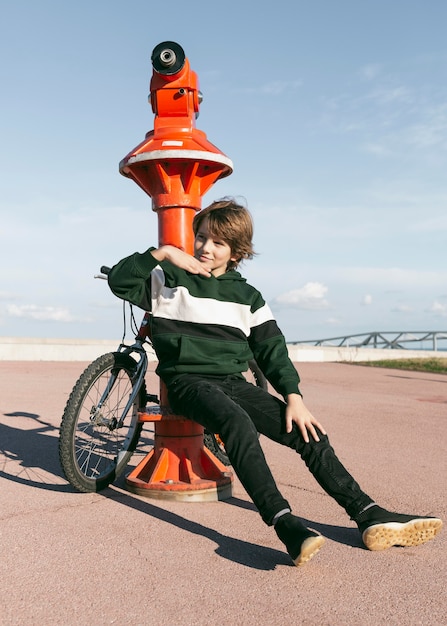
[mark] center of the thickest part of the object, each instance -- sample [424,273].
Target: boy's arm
[270,351]
[269,347]
[273,359]
[181,259]
[129,279]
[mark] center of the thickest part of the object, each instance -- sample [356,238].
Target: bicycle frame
[137,379]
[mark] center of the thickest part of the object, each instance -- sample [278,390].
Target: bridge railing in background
[401,340]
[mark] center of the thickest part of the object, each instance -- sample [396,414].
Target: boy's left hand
[298,413]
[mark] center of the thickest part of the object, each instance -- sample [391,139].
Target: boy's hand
[297,412]
[181,259]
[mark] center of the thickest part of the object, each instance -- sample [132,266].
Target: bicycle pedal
[150,397]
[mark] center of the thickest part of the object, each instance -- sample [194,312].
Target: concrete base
[319,354]
[23,349]
[32,349]
[215,494]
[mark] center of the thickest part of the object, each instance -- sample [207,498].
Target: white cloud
[370,71]
[7,295]
[41,313]
[390,278]
[390,95]
[278,87]
[402,308]
[377,149]
[309,297]
[435,224]
[438,309]
[366,300]
[391,118]
[431,130]
[420,130]
[333,321]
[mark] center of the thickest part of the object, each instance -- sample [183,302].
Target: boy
[207,323]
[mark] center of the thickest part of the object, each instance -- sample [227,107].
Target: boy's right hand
[180,259]
[298,413]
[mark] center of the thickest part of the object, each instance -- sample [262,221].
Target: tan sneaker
[301,543]
[404,530]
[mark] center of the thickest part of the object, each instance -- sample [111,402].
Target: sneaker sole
[412,533]
[309,548]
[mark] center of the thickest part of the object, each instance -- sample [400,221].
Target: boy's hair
[231,222]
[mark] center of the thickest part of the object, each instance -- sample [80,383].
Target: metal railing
[402,340]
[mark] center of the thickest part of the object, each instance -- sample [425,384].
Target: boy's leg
[380,528]
[208,403]
[236,410]
[268,415]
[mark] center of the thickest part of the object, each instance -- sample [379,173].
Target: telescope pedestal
[180,467]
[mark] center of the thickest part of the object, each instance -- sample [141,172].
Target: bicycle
[101,427]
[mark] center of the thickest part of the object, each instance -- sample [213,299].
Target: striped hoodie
[205,326]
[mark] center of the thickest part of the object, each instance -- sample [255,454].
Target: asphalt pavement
[118,558]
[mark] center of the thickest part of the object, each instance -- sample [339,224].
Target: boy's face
[212,252]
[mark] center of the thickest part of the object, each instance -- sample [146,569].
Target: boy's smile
[213,252]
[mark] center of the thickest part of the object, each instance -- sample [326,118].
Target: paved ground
[116,558]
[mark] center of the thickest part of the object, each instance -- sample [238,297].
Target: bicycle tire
[212,440]
[92,450]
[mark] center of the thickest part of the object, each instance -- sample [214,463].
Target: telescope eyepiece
[168,58]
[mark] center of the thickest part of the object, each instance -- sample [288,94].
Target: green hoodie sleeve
[273,358]
[130,278]
[269,347]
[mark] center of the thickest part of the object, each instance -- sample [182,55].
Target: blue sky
[333,113]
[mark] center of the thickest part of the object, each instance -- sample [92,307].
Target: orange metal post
[176,165]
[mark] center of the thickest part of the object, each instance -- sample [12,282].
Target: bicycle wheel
[212,440]
[96,442]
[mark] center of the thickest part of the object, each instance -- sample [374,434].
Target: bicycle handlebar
[104,272]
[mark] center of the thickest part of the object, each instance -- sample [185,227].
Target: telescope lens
[168,58]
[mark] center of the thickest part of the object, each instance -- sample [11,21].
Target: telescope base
[166,474]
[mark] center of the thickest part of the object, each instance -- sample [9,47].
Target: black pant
[238,411]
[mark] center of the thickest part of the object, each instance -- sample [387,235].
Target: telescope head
[174,86]
[175,164]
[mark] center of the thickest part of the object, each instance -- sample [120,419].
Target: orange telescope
[176,165]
